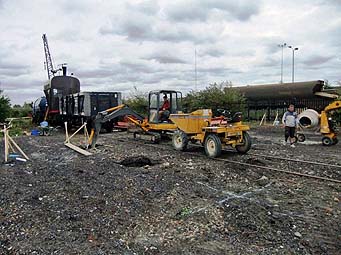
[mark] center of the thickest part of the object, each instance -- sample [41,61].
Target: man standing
[290,121]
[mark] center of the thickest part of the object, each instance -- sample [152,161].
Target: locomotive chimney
[64,70]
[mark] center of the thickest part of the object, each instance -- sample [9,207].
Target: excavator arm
[333,106]
[110,114]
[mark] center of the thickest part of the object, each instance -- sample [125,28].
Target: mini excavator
[154,125]
[198,126]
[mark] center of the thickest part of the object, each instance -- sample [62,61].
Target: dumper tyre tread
[180,140]
[327,141]
[301,138]
[246,144]
[212,146]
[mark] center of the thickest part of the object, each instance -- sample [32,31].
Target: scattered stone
[165,164]
[263,181]
[298,234]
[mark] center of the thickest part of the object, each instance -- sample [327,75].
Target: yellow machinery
[199,125]
[154,125]
[324,121]
[328,125]
[213,133]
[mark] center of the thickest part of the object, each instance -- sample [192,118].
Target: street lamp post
[293,62]
[282,46]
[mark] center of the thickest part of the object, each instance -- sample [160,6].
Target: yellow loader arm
[110,114]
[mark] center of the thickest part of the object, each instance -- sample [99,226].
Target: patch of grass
[184,212]
[18,127]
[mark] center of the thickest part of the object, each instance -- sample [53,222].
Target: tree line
[15,111]
[215,96]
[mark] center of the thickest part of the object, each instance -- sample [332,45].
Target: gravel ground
[130,197]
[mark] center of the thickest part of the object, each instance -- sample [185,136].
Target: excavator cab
[156,100]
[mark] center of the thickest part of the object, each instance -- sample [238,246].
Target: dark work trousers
[289,132]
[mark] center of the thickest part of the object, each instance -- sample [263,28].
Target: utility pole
[282,46]
[293,61]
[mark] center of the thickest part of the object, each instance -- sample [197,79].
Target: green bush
[138,102]
[18,111]
[5,107]
[215,96]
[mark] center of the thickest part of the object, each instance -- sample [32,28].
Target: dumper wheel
[212,146]
[327,141]
[301,138]
[180,140]
[246,146]
[335,140]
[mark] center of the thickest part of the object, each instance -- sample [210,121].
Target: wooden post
[6,143]
[275,119]
[261,122]
[67,139]
[86,133]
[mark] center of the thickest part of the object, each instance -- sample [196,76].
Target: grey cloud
[144,28]
[317,60]
[27,95]
[93,73]
[270,62]
[332,3]
[21,88]
[213,70]
[75,6]
[201,9]
[212,52]
[137,66]
[273,47]
[165,58]
[150,7]
[138,25]
[179,34]
[12,69]
[135,25]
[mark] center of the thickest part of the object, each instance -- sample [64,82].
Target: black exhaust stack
[64,70]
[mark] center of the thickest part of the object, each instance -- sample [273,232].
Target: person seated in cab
[164,109]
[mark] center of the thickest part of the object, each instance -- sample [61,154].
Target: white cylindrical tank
[309,118]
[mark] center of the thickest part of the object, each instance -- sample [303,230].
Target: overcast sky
[116,45]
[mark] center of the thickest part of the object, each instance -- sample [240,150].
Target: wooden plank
[75,148]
